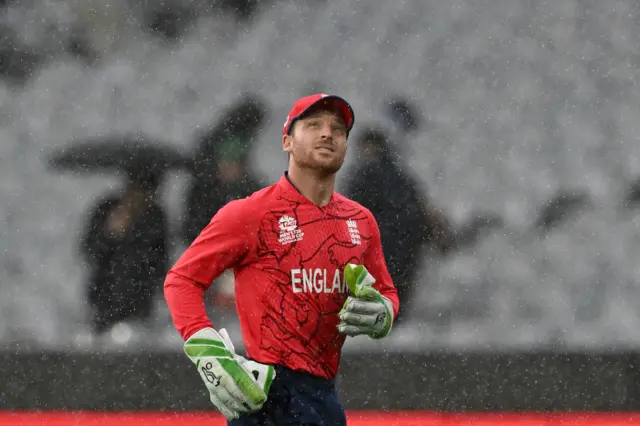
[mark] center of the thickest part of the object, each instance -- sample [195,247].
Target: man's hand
[236,385]
[366,311]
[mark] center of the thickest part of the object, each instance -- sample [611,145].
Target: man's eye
[314,124]
[339,128]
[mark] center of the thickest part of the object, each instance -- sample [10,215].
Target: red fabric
[354,418]
[288,257]
[303,104]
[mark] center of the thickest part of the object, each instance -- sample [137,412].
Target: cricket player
[309,270]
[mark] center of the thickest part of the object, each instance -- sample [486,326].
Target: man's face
[318,141]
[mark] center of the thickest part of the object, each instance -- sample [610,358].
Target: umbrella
[562,206]
[132,155]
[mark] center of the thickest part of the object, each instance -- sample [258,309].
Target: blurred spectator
[406,221]
[17,62]
[170,21]
[221,170]
[125,247]
[235,178]
[242,9]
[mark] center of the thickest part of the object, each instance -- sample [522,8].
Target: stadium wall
[435,382]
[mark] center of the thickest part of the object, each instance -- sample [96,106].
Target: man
[309,271]
[125,246]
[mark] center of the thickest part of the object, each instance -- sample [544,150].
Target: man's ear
[286,143]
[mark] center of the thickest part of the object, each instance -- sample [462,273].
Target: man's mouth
[325,148]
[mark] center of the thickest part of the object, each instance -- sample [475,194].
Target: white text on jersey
[315,281]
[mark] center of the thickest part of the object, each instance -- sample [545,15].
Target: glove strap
[207,342]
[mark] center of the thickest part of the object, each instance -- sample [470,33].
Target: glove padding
[365,311]
[237,386]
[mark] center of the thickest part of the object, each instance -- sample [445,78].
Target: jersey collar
[287,186]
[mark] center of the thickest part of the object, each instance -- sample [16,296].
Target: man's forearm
[185,299]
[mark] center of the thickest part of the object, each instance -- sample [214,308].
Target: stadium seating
[523,100]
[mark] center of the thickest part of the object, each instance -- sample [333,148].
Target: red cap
[302,105]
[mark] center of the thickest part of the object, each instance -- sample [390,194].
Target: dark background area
[449,382]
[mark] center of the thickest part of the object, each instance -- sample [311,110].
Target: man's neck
[313,186]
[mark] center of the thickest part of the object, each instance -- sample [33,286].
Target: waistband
[302,377]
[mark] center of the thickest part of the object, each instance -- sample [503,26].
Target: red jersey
[288,257]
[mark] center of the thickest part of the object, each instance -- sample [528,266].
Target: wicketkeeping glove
[365,311]
[236,385]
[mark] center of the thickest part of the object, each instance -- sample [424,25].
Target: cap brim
[344,106]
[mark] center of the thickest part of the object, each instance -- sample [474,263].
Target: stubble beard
[322,170]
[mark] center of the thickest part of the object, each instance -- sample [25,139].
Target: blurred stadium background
[522,100]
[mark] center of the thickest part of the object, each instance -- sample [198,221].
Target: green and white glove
[365,311]
[236,385]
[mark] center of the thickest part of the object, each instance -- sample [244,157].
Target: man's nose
[326,130]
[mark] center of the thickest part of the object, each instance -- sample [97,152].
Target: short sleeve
[221,245]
